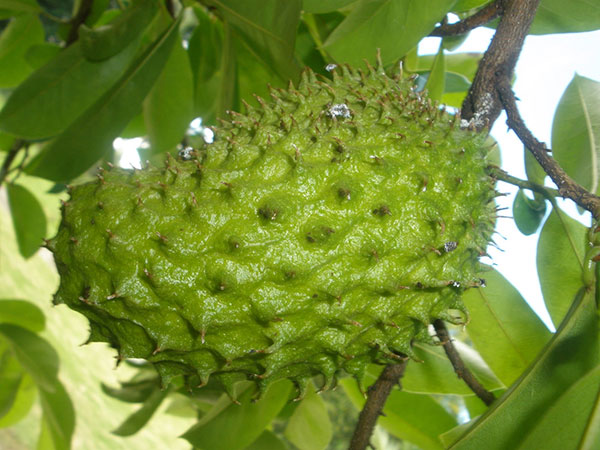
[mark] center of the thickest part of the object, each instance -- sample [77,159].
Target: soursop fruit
[319,233]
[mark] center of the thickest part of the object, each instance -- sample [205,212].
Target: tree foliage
[76,75]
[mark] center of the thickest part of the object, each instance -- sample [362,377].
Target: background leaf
[400,24]
[94,131]
[324,6]
[269,29]
[412,417]
[560,253]
[138,419]
[237,426]
[576,132]
[28,218]
[309,427]
[21,33]
[169,107]
[56,94]
[436,81]
[22,313]
[503,328]
[558,16]
[571,353]
[528,213]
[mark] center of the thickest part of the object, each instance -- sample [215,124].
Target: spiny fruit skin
[319,233]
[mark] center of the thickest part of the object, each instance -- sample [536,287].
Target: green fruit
[319,233]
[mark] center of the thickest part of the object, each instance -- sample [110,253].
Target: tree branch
[482,104]
[376,397]
[481,17]
[567,187]
[501,175]
[459,366]
[82,13]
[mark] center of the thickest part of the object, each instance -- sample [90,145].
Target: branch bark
[82,13]
[376,397]
[567,187]
[459,366]
[481,17]
[482,104]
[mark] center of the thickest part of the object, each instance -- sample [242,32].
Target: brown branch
[482,104]
[376,397]
[459,366]
[501,175]
[10,157]
[82,14]
[567,187]
[481,17]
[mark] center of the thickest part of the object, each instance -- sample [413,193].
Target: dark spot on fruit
[268,213]
[450,246]
[344,193]
[383,210]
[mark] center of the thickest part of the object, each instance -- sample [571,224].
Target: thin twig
[376,397]
[567,187]
[82,14]
[459,366]
[10,157]
[501,175]
[482,104]
[481,17]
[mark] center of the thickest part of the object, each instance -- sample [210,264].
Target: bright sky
[546,66]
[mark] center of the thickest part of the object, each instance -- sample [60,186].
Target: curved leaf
[576,132]
[11,375]
[22,313]
[560,253]
[571,353]
[400,25]
[21,33]
[24,400]
[436,81]
[101,43]
[324,6]
[138,419]
[59,416]
[503,328]
[57,93]
[558,16]
[28,218]
[169,107]
[267,441]
[87,139]
[34,354]
[528,213]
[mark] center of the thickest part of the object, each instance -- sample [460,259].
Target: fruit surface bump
[319,233]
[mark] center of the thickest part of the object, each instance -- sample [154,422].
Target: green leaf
[576,132]
[169,107]
[467,5]
[577,403]
[436,81]
[11,375]
[56,94]
[528,213]
[22,313]
[559,16]
[324,6]
[535,172]
[39,54]
[460,63]
[268,27]
[138,419]
[58,416]
[205,46]
[24,400]
[28,217]
[236,426]
[63,159]
[21,33]
[400,25]
[412,417]
[106,41]
[21,6]
[309,427]
[267,441]
[590,438]
[435,374]
[35,354]
[560,255]
[571,353]
[503,328]
[132,392]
